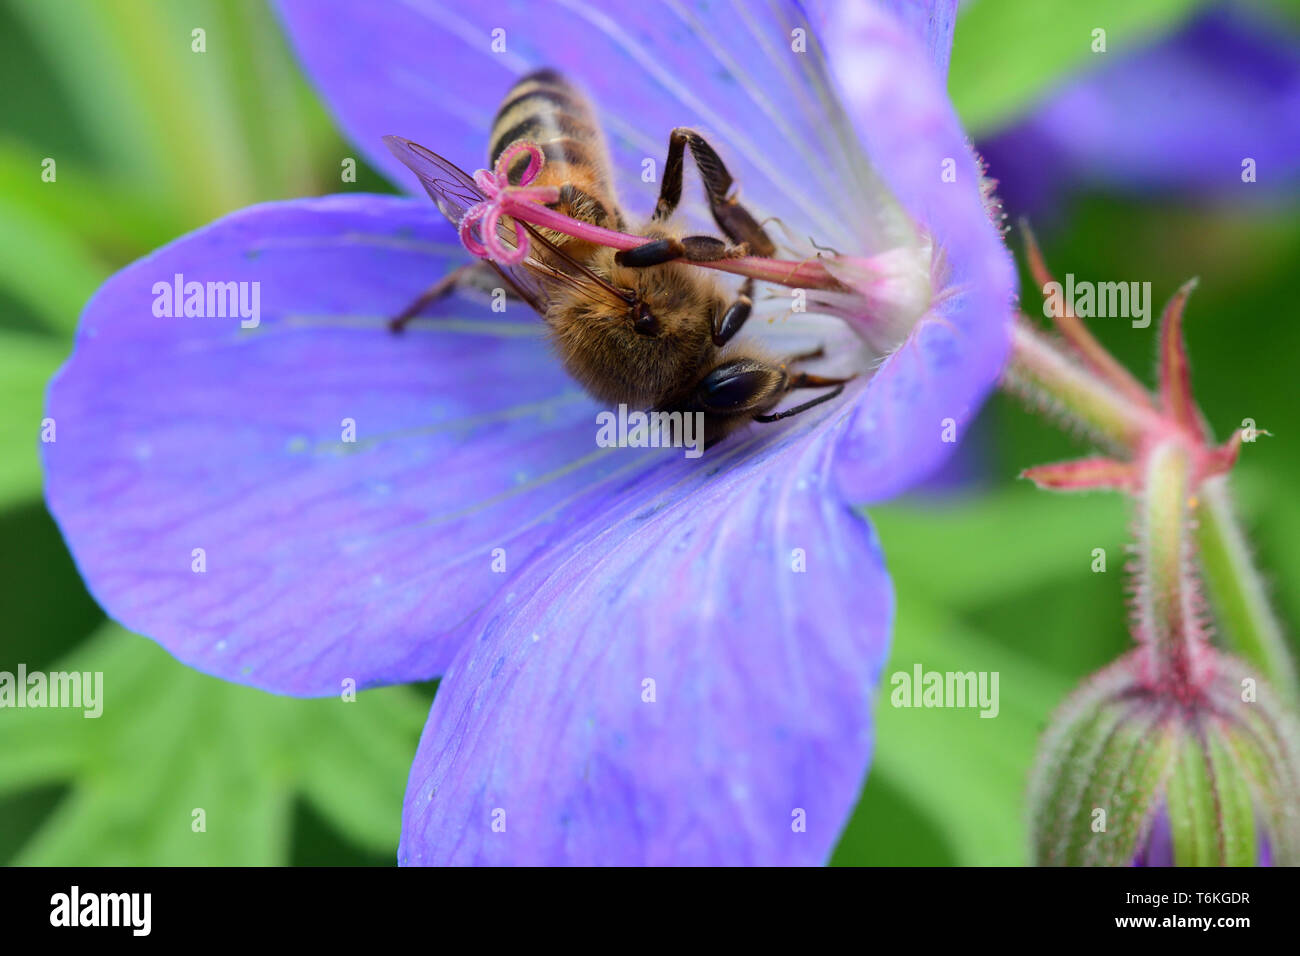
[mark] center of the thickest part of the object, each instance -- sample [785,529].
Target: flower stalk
[1167,622]
[1042,373]
[1237,592]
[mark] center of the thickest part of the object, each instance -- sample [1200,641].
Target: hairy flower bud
[1130,774]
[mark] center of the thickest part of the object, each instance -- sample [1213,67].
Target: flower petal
[436,72]
[672,690]
[323,559]
[931,21]
[925,392]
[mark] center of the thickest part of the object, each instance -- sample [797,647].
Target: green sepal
[1224,766]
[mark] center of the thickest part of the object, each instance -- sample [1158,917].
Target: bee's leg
[460,276]
[691,248]
[735,316]
[804,380]
[816,353]
[735,221]
[811,403]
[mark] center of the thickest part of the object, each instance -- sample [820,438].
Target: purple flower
[645,658]
[1180,115]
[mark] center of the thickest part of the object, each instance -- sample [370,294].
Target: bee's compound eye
[739,385]
[645,322]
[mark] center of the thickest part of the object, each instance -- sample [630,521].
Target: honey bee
[637,327]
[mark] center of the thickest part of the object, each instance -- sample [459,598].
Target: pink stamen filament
[501,196]
[526,203]
[810,274]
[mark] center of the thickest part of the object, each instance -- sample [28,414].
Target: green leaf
[983,545]
[113,219]
[352,781]
[47,269]
[26,364]
[964,773]
[952,784]
[209,130]
[1009,54]
[171,741]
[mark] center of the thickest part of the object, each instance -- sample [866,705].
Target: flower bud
[1129,774]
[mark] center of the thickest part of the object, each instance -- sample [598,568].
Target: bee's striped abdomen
[544,108]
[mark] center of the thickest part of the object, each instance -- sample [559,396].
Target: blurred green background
[152,142]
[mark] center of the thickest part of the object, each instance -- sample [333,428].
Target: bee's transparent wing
[547,270]
[451,188]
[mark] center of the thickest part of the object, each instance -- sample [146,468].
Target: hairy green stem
[1168,624]
[1237,592]
[1039,370]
